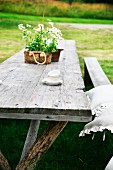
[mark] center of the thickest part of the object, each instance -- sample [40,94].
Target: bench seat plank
[95,71]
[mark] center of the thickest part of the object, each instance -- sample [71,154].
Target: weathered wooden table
[23,96]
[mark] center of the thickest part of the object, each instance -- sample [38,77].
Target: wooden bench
[94,74]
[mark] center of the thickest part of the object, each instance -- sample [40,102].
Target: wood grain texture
[4,165]
[31,137]
[95,72]
[22,91]
[48,117]
[41,145]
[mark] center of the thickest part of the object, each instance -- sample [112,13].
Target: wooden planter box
[56,55]
[36,57]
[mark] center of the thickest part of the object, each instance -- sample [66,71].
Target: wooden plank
[59,107]
[31,137]
[4,165]
[75,109]
[96,73]
[67,45]
[41,145]
[79,118]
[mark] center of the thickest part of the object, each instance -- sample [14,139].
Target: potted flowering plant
[41,42]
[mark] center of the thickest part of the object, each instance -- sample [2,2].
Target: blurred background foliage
[89,1]
[64,8]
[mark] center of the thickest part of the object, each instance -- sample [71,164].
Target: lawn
[69,152]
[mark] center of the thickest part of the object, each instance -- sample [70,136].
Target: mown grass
[58,9]
[69,151]
[32,19]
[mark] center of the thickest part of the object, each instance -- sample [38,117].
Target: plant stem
[44,10]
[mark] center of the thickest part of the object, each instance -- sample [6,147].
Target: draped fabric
[101,100]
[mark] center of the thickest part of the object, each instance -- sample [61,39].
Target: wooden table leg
[41,145]
[31,137]
[4,165]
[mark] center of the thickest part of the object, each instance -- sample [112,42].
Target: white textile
[101,99]
[100,123]
[100,95]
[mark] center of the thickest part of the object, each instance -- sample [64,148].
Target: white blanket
[102,108]
[100,123]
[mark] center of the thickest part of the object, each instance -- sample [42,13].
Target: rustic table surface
[23,96]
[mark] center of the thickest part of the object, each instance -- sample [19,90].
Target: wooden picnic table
[23,96]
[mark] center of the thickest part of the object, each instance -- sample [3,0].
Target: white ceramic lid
[54,73]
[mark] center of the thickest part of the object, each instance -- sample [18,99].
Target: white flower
[37,29]
[28,32]
[41,26]
[24,37]
[48,41]
[28,25]
[41,38]
[21,27]
[51,23]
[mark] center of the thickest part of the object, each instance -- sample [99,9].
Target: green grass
[69,152]
[31,18]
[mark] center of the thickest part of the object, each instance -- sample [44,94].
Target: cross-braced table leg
[41,145]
